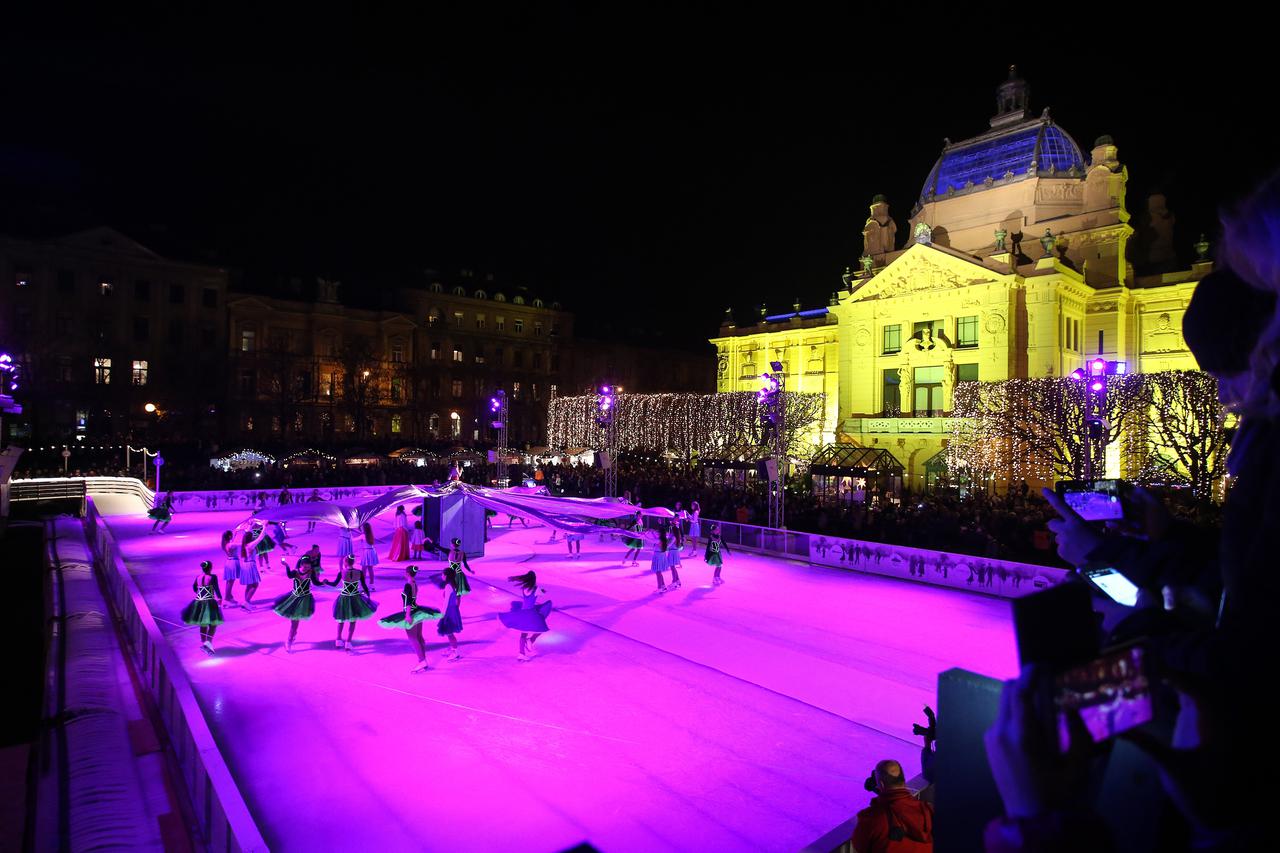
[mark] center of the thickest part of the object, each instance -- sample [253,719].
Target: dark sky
[683,177]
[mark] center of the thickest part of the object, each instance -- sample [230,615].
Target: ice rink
[738,717]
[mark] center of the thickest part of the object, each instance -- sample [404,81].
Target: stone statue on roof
[880,232]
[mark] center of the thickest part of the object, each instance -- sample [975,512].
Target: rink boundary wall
[216,802]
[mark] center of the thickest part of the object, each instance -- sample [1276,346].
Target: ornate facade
[1016,266]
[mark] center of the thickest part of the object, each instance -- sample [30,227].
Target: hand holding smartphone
[1094,500]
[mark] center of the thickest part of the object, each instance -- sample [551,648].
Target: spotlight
[1120,368]
[1097,385]
[1097,367]
[1078,374]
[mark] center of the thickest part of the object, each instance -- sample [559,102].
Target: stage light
[1078,374]
[1120,368]
[1097,367]
[1097,385]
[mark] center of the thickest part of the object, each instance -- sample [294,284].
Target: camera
[929,732]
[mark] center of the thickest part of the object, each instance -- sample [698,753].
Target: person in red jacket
[895,821]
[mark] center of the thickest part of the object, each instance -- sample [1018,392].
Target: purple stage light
[1078,374]
[1097,367]
[1096,386]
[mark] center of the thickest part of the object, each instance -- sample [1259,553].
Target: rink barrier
[220,810]
[982,575]
[54,488]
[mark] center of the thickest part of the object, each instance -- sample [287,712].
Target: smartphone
[1111,693]
[1116,586]
[1096,500]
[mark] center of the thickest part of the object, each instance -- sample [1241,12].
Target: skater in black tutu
[204,610]
[162,512]
[715,553]
[411,617]
[352,604]
[634,542]
[526,615]
[299,604]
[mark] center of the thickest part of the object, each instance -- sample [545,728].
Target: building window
[66,281]
[537,328]
[141,329]
[330,385]
[480,322]
[142,290]
[457,389]
[210,298]
[275,424]
[891,403]
[397,352]
[21,278]
[892,339]
[1101,341]
[928,392]
[106,287]
[517,358]
[966,373]
[139,372]
[480,355]
[303,383]
[537,361]
[519,328]
[177,332]
[457,319]
[967,331]
[64,369]
[397,391]
[433,424]
[248,340]
[457,354]
[395,423]
[433,317]
[248,384]
[177,294]
[515,390]
[934,326]
[533,389]
[102,371]
[435,350]
[455,425]
[500,323]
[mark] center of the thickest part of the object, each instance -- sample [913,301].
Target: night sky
[686,178]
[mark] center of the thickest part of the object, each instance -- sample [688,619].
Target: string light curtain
[682,423]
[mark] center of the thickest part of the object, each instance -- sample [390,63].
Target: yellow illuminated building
[1015,266]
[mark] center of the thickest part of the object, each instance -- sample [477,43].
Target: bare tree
[362,378]
[1183,430]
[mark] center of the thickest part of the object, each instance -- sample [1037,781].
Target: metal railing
[220,810]
[43,489]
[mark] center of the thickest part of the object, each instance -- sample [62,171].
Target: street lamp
[149,408]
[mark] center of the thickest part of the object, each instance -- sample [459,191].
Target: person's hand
[1075,538]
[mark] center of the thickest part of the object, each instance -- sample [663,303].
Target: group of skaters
[249,556]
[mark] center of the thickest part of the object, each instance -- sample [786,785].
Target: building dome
[1038,147]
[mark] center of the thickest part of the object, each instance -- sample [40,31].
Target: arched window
[498,297]
[433,424]
[537,303]
[480,294]
[459,291]
[436,288]
[555,306]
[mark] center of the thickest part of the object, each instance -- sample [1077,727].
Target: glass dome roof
[970,164]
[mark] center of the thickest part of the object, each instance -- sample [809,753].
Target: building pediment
[107,240]
[923,268]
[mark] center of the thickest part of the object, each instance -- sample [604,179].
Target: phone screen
[1117,587]
[1111,694]
[1099,502]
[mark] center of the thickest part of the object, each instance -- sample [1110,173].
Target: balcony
[898,426]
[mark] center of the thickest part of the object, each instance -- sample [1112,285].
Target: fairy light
[242,459]
[682,423]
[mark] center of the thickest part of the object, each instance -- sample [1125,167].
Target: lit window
[480,322]
[892,339]
[395,423]
[967,331]
[515,390]
[248,340]
[519,326]
[457,355]
[500,323]
[455,425]
[457,319]
[433,424]
[397,391]
[139,372]
[435,350]
[102,371]
[433,318]
[397,351]
[106,288]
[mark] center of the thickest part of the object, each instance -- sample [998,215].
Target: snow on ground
[738,717]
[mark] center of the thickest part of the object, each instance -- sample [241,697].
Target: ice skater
[715,553]
[352,604]
[204,611]
[411,617]
[299,604]
[344,546]
[526,615]
[674,547]
[659,563]
[634,543]
[230,568]
[399,551]
[315,498]
[369,556]
[162,512]
[263,544]
[455,586]
[417,541]
[572,541]
[695,527]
